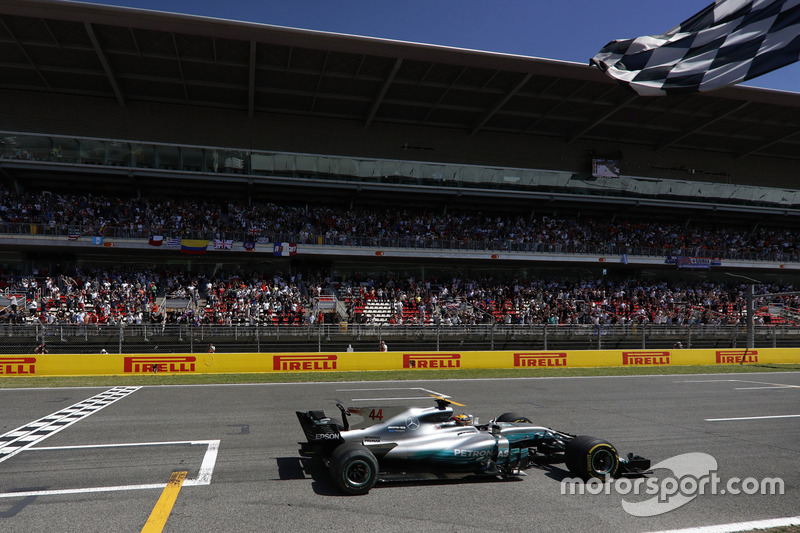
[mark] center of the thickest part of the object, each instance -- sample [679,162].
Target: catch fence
[26,339]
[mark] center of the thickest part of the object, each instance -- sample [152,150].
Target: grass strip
[377,375]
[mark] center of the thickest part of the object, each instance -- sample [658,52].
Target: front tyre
[354,469]
[589,457]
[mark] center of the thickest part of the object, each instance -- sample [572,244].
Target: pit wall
[226,363]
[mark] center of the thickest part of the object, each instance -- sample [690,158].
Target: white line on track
[770,387]
[705,380]
[389,399]
[739,526]
[391,388]
[203,475]
[766,384]
[750,418]
[442,380]
[780,385]
[427,396]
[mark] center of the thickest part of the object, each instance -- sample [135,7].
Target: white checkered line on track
[24,437]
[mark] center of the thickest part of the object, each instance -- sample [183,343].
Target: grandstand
[352,189]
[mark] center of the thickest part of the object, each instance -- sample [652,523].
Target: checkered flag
[728,42]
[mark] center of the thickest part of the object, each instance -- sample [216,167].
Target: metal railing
[24,339]
[143,233]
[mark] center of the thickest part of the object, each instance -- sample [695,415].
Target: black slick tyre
[513,417]
[354,469]
[589,457]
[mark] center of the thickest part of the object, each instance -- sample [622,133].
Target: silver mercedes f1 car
[391,443]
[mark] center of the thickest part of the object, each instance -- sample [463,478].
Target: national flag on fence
[285,249]
[156,240]
[73,236]
[728,42]
[97,240]
[253,231]
[249,246]
[174,241]
[223,244]
[194,246]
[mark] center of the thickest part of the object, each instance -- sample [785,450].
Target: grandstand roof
[131,55]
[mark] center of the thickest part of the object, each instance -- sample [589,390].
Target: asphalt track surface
[253,480]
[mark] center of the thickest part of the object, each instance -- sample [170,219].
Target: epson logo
[540,359]
[326,436]
[304,362]
[17,366]
[138,365]
[645,358]
[737,356]
[431,360]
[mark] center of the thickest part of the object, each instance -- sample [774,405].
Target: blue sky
[571,30]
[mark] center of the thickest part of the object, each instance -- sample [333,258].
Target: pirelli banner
[228,363]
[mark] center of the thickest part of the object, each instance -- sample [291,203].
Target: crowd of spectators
[561,301]
[155,296]
[91,214]
[163,296]
[141,217]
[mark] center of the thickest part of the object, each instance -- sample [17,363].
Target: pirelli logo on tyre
[158,363]
[540,359]
[304,362]
[645,358]
[431,360]
[736,356]
[17,366]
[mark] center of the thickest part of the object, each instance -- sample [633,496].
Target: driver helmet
[462,419]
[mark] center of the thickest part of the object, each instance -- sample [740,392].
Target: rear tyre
[589,457]
[513,417]
[354,468]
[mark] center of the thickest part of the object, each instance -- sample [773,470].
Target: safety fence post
[544,336]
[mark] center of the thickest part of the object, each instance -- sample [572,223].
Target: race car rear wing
[320,431]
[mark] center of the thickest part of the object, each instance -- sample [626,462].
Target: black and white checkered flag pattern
[728,42]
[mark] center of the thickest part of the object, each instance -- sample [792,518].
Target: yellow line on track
[163,508]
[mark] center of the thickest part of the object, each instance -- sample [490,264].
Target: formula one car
[392,443]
